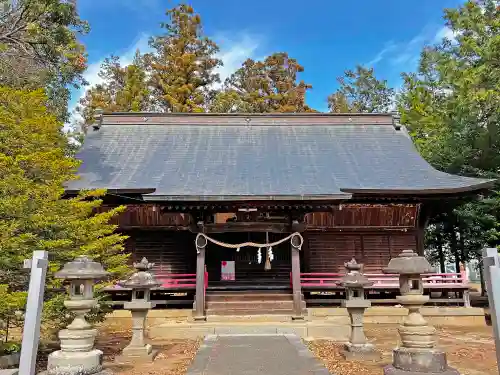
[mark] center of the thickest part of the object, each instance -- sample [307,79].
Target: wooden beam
[247,227]
[299,227]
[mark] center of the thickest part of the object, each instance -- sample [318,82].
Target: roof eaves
[486,184]
[115,191]
[208,198]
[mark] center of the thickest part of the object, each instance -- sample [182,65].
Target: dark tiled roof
[270,157]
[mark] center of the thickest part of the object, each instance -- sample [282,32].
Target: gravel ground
[174,356]
[469,350]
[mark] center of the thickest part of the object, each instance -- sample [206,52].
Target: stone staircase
[256,302]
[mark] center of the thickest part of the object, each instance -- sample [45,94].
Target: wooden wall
[344,216]
[170,251]
[147,216]
[364,215]
[328,251]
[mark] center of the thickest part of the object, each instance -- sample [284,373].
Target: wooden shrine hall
[346,185]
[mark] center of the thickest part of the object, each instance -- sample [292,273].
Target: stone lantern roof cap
[83,268]
[408,263]
[354,278]
[143,278]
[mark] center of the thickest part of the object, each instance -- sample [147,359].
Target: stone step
[304,329]
[227,297]
[246,311]
[240,292]
[250,305]
[255,318]
[249,286]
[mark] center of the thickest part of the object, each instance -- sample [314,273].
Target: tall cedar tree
[264,86]
[124,89]
[360,91]
[451,109]
[33,216]
[183,63]
[39,48]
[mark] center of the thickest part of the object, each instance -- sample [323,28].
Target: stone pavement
[255,355]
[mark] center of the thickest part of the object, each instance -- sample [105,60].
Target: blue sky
[325,36]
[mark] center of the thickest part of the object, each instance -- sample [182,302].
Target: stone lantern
[417,353]
[355,283]
[77,354]
[141,283]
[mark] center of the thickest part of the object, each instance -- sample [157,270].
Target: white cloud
[233,52]
[404,55]
[390,46]
[444,32]
[408,53]
[91,75]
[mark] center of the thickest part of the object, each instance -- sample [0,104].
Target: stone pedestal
[354,283]
[77,355]
[137,350]
[417,354]
[408,361]
[358,348]
[141,283]
[67,363]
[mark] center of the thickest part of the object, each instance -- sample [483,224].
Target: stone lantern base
[360,352]
[407,361]
[75,363]
[145,353]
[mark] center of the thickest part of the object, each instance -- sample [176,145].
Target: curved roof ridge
[278,162]
[214,119]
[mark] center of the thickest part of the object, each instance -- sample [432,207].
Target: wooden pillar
[422,221]
[297,242]
[199,303]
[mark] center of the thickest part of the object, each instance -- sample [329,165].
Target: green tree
[360,91]
[183,63]
[450,106]
[124,89]
[34,166]
[39,48]
[10,316]
[264,86]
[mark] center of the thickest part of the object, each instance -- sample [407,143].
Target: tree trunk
[454,246]
[481,277]
[442,264]
[461,242]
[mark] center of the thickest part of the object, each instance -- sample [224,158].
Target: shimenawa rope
[251,244]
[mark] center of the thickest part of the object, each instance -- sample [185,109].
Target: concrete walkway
[255,355]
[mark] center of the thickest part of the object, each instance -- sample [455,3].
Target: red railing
[171,281]
[381,280]
[174,281]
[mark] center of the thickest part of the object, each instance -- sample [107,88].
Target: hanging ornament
[267,266]
[271,254]
[259,256]
[238,250]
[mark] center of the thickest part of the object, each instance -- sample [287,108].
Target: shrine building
[351,185]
